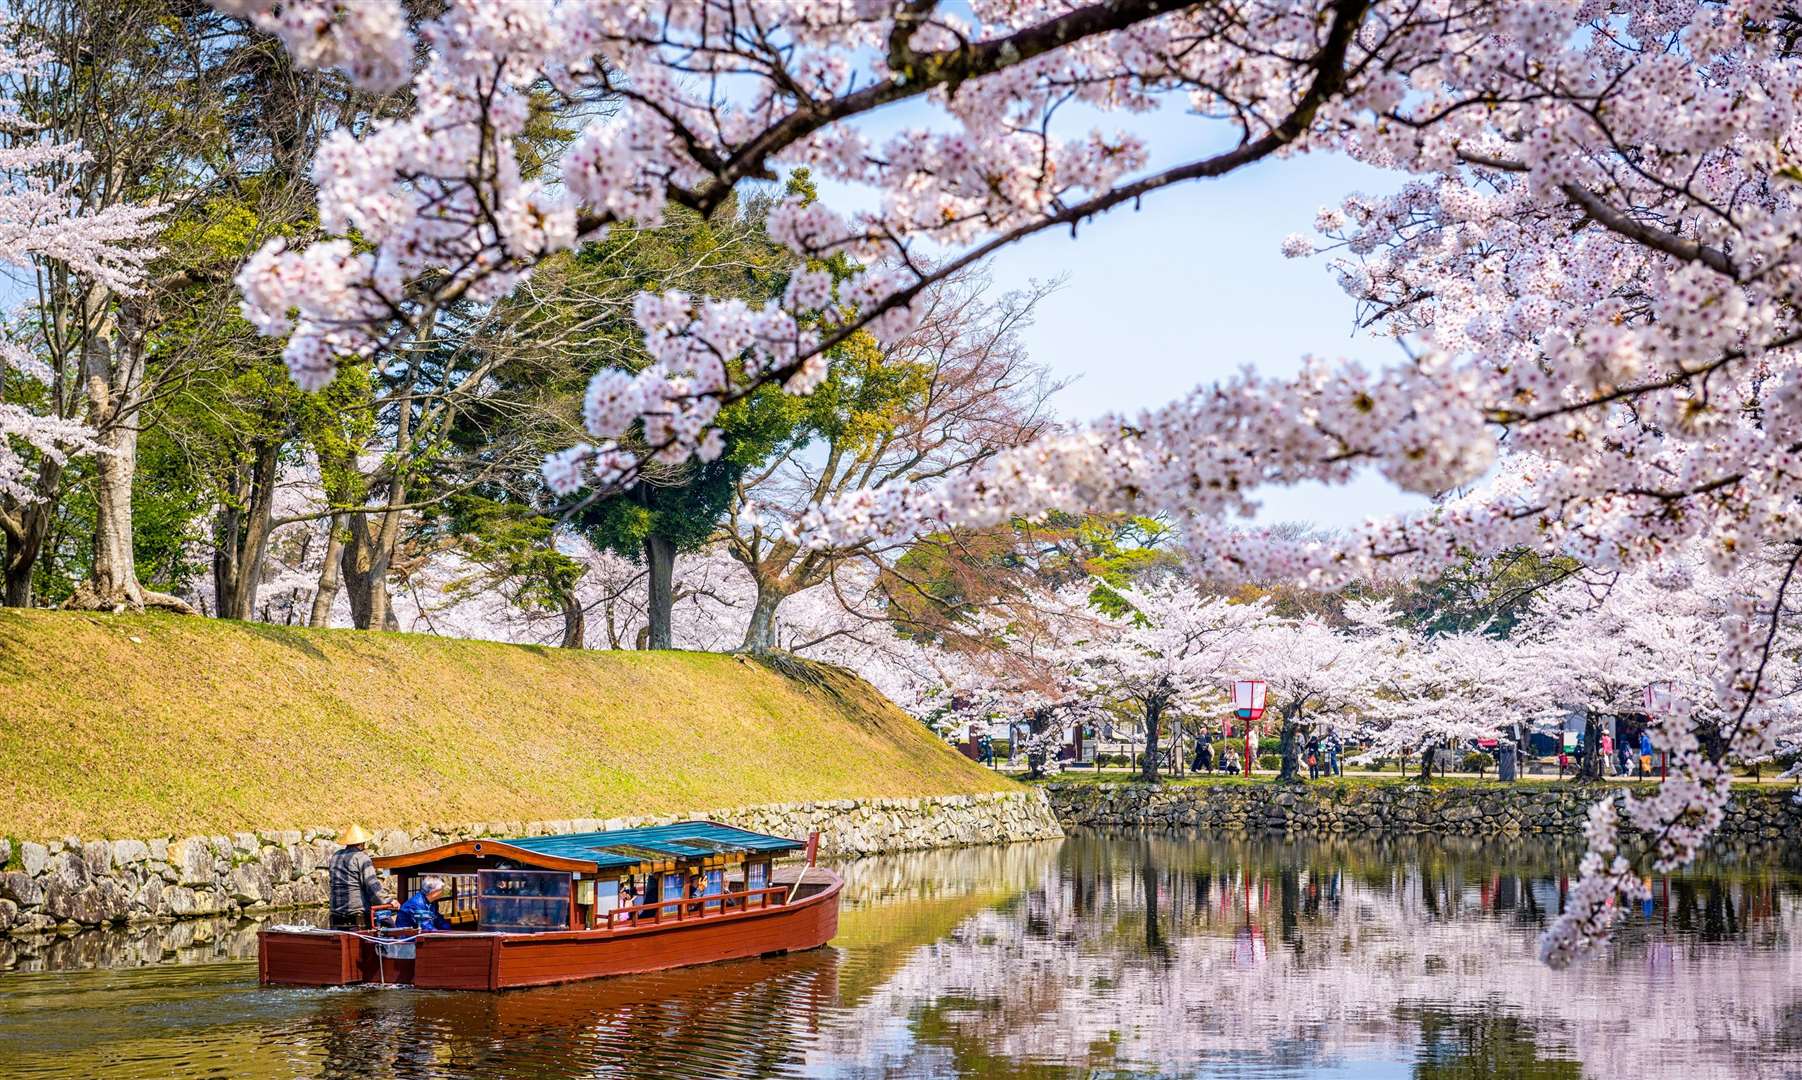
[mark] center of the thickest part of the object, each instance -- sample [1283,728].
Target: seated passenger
[421,909]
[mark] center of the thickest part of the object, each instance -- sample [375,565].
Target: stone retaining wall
[1763,816]
[71,882]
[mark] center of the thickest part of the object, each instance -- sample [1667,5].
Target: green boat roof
[628,847]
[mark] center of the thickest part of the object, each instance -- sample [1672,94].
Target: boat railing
[690,908]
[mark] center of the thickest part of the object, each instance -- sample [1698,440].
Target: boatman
[352,880]
[421,909]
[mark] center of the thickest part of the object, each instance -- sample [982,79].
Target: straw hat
[353,835]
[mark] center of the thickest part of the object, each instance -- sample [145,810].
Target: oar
[813,850]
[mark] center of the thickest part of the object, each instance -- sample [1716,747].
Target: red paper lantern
[1248,702]
[1248,698]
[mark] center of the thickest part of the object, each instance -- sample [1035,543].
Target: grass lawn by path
[147,725]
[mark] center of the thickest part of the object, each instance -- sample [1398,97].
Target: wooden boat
[546,909]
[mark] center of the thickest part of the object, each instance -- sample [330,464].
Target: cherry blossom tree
[1447,690]
[1726,644]
[1595,264]
[954,390]
[1023,661]
[1600,639]
[46,226]
[1167,653]
[1594,655]
[1315,676]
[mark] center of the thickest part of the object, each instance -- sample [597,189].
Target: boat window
[756,875]
[716,884]
[459,903]
[525,901]
[672,890]
[606,897]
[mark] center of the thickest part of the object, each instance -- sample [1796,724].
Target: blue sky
[1191,287]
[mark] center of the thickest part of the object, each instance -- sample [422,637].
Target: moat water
[1097,956]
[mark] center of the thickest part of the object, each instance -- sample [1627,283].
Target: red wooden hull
[487,961]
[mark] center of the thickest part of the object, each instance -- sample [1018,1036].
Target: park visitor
[351,881]
[421,909]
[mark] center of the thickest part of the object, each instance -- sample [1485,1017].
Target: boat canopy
[618,850]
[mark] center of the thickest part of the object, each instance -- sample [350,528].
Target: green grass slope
[158,725]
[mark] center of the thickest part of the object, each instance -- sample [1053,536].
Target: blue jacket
[419,912]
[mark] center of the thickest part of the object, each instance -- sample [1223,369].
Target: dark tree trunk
[1154,713]
[1291,759]
[1288,905]
[21,559]
[27,528]
[575,623]
[1589,762]
[1035,754]
[1155,944]
[1426,761]
[241,532]
[660,558]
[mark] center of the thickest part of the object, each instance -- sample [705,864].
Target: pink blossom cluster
[48,436]
[41,221]
[721,91]
[1725,645]
[366,38]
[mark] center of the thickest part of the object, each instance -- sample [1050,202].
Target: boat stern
[306,956]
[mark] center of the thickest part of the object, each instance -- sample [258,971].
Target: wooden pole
[813,851]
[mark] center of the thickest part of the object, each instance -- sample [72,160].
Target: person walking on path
[1204,756]
[351,881]
[1334,767]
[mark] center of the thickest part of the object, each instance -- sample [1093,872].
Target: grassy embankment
[153,725]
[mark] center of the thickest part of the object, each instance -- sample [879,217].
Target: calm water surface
[1098,956]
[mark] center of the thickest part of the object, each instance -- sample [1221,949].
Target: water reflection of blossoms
[1171,953]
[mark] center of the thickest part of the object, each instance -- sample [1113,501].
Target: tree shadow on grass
[283,635]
